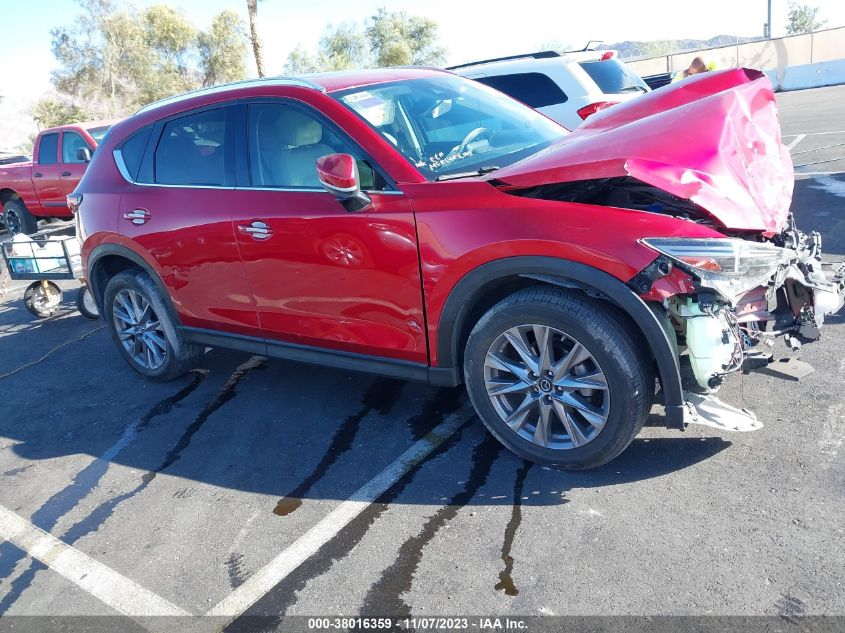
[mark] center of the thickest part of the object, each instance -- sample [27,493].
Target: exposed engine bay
[719,330]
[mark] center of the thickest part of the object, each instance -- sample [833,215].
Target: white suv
[566,87]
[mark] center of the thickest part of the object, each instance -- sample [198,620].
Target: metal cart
[42,259]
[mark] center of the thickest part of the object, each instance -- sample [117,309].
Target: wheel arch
[7,194]
[107,260]
[488,284]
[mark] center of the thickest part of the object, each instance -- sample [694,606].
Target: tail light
[595,107]
[608,55]
[73,202]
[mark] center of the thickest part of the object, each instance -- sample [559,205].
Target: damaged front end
[746,292]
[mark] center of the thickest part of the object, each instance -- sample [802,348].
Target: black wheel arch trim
[568,274]
[104,250]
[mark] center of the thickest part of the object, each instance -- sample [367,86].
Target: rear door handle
[257,230]
[65,173]
[138,216]
[37,175]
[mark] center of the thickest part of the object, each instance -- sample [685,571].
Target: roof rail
[539,55]
[276,81]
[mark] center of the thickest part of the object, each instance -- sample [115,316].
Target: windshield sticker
[441,159]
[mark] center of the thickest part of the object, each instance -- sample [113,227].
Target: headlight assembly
[729,266]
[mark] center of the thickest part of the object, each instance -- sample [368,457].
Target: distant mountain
[633,48]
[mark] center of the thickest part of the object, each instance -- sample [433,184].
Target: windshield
[97,133]
[613,77]
[450,125]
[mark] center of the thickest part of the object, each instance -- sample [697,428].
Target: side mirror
[83,154]
[338,173]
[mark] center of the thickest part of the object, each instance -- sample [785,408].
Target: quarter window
[191,150]
[47,149]
[533,89]
[285,143]
[71,142]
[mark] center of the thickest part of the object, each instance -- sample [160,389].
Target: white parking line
[307,545]
[797,140]
[816,133]
[105,584]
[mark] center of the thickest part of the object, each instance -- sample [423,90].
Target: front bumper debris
[708,410]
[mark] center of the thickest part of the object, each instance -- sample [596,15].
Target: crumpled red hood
[713,139]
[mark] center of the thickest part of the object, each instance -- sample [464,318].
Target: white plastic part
[710,343]
[710,411]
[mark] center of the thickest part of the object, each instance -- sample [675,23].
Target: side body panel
[330,278]
[463,225]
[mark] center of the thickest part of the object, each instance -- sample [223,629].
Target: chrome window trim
[124,172]
[121,166]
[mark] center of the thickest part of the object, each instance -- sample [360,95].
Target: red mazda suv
[416,224]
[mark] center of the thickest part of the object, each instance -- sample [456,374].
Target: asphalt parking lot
[256,487]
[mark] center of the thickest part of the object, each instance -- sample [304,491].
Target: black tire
[18,219]
[86,305]
[629,377]
[40,302]
[180,356]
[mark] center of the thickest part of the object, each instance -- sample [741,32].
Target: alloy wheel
[546,386]
[12,221]
[139,329]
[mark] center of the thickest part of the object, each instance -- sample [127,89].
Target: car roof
[541,59]
[85,125]
[325,82]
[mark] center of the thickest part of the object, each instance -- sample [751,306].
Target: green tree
[222,50]
[399,39]
[343,47]
[340,48]
[300,62]
[802,18]
[113,59]
[51,111]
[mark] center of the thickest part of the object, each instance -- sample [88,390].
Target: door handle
[257,230]
[138,216]
[65,173]
[37,174]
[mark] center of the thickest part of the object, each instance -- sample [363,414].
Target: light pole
[769,22]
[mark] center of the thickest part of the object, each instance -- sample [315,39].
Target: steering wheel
[469,138]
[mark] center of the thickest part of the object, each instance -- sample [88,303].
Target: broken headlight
[729,266]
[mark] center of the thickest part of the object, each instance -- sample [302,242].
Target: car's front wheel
[557,378]
[144,328]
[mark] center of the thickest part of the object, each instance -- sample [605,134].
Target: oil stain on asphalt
[506,583]
[278,600]
[379,397]
[385,596]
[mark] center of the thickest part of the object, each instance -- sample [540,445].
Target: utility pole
[769,22]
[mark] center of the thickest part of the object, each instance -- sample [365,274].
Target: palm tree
[252,9]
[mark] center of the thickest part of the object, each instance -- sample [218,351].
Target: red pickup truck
[37,188]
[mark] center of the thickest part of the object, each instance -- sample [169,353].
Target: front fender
[564,273]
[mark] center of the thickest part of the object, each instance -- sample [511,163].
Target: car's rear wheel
[557,379]
[144,328]
[18,219]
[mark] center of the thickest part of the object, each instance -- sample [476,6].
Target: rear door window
[193,150]
[614,77]
[132,152]
[48,149]
[533,89]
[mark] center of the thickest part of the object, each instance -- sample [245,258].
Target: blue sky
[469,29]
